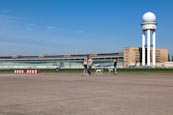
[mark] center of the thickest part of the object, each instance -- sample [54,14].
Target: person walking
[90,62]
[115,61]
[85,65]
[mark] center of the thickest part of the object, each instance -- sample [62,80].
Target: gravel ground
[74,94]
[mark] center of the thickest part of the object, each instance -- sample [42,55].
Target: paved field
[73,94]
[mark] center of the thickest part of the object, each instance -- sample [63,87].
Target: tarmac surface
[73,94]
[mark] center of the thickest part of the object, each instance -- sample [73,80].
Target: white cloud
[4,11]
[4,19]
[51,27]
[28,38]
[30,26]
[9,48]
[78,31]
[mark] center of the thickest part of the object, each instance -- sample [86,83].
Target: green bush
[146,70]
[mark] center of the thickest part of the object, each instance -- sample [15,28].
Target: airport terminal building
[54,61]
[130,56]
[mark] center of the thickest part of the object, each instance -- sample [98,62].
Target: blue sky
[53,27]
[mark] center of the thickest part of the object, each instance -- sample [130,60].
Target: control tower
[149,32]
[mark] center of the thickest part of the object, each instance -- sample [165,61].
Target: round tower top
[149,17]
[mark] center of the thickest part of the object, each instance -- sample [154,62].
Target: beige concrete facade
[133,56]
[168,64]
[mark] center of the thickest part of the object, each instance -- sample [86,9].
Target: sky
[57,27]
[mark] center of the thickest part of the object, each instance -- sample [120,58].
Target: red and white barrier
[27,71]
[19,71]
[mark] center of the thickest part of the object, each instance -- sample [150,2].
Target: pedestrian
[115,61]
[85,65]
[90,62]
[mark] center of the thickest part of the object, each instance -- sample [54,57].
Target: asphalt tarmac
[73,94]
